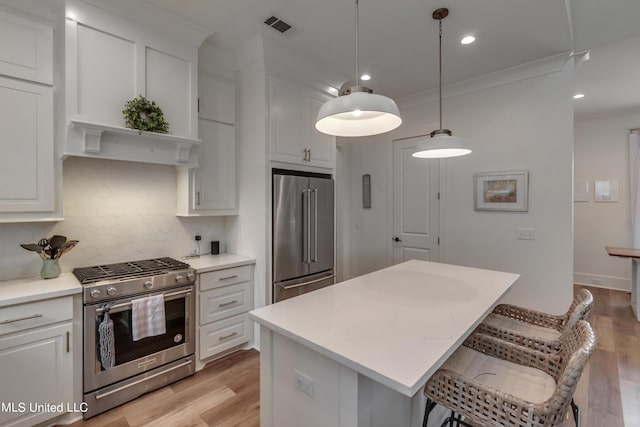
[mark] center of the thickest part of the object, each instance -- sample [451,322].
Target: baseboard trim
[601,281]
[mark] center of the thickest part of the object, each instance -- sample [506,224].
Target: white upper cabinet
[27,163]
[216,100]
[27,166]
[27,51]
[293,137]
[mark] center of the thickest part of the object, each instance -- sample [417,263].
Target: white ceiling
[399,39]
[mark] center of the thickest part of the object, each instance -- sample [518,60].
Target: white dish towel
[148,317]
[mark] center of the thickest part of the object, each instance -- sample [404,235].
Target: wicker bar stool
[491,382]
[525,326]
[536,330]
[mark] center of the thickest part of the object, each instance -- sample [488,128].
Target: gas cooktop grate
[130,269]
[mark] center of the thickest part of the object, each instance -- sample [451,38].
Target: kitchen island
[358,353]
[634,254]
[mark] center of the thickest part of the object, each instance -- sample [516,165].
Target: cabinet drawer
[34,314]
[228,276]
[226,301]
[223,335]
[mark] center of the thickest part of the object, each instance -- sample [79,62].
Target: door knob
[397,239]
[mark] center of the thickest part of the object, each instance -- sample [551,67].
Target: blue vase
[50,269]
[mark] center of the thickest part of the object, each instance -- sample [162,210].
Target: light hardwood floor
[226,392]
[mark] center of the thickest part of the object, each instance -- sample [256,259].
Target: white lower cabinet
[225,298]
[36,361]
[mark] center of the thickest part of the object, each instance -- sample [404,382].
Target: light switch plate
[525,234]
[304,383]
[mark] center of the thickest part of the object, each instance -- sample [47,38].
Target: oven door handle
[167,297]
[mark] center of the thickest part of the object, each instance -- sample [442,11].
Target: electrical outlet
[304,383]
[525,234]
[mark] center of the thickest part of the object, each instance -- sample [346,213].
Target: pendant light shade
[358,114]
[358,111]
[441,143]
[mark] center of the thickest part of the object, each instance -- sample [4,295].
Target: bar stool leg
[576,412]
[427,410]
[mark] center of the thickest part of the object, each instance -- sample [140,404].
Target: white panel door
[27,51]
[168,83]
[216,100]
[35,367]
[215,179]
[286,119]
[106,75]
[322,146]
[27,164]
[416,218]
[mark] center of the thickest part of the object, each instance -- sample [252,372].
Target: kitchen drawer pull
[224,304]
[33,316]
[68,346]
[224,337]
[229,277]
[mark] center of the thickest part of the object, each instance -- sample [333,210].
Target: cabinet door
[216,100]
[322,146]
[215,180]
[27,164]
[287,120]
[28,51]
[35,367]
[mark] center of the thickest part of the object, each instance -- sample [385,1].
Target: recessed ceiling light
[71,15]
[578,96]
[365,77]
[468,40]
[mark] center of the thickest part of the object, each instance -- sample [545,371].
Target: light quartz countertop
[395,326]
[218,262]
[35,289]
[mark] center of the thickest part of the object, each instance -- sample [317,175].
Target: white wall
[119,211]
[369,231]
[527,124]
[602,153]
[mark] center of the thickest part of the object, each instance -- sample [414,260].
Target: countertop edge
[361,369]
[32,289]
[207,263]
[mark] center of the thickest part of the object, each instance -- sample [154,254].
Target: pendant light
[358,111]
[441,143]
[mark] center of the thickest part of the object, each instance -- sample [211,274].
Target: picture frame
[501,191]
[581,191]
[605,191]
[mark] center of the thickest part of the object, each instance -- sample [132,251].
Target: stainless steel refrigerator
[303,233]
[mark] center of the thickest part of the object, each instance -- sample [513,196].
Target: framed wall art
[605,191]
[501,191]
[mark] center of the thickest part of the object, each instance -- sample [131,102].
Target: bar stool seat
[501,322]
[524,382]
[492,382]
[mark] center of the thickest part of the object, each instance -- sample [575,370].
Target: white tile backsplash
[119,211]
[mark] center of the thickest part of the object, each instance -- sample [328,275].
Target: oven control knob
[148,284]
[190,276]
[179,278]
[112,291]
[95,293]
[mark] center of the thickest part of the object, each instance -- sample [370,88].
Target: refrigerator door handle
[315,225]
[306,283]
[306,234]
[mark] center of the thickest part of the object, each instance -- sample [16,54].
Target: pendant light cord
[440,61]
[357,48]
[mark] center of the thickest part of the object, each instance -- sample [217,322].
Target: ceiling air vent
[277,24]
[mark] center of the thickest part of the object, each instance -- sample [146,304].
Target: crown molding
[46,12]
[152,16]
[528,70]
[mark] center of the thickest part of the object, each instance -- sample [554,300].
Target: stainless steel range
[135,366]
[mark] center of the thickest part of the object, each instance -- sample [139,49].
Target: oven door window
[126,349]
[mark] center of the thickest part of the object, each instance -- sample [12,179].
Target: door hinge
[438,241]
[438,195]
